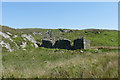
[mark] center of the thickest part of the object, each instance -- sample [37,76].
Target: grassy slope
[11,30]
[102,39]
[18,40]
[42,63]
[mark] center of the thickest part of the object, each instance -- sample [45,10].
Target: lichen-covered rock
[16,41]
[5,36]
[6,45]
[9,33]
[112,40]
[49,35]
[30,38]
[23,44]
[81,51]
[15,36]
[16,45]
[37,33]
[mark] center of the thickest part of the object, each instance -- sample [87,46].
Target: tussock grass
[60,63]
[101,39]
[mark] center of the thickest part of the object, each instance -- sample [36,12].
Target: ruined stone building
[78,44]
[81,43]
[50,42]
[46,43]
[49,35]
[62,44]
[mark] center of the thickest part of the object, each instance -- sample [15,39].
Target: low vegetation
[61,63]
[31,62]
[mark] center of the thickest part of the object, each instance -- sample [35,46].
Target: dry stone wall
[81,43]
[78,44]
[63,44]
[46,43]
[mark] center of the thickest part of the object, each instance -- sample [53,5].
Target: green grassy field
[102,39]
[60,63]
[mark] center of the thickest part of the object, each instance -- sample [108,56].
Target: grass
[102,39]
[60,63]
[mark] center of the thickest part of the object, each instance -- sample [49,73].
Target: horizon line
[64,28]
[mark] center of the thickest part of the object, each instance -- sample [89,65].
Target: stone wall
[46,43]
[87,44]
[49,35]
[78,44]
[81,43]
[62,44]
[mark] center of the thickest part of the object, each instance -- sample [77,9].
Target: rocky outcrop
[20,40]
[23,44]
[13,42]
[30,38]
[36,33]
[9,33]
[6,45]
[15,36]
[5,36]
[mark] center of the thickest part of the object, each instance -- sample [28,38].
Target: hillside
[13,39]
[21,52]
[60,63]
[97,37]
